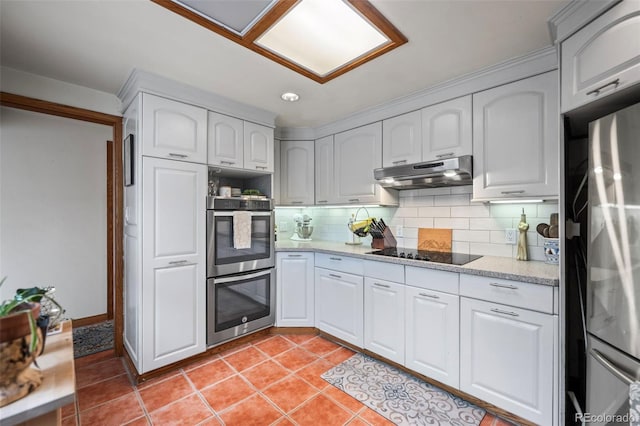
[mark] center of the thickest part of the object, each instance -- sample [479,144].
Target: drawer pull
[335,276]
[297,202]
[431,296]
[178,262]
[261,167]
[509,286]
[173,154]
[512,192]
[381,285]
[615,83]
[321,201]
[227,162]
[448,154]
[294,255]
[500,311]
[335,258]
[399,162]
[354,200]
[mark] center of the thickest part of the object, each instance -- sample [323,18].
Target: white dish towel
[241,230]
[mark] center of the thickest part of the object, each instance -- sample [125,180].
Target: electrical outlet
[399,231]
[510,235]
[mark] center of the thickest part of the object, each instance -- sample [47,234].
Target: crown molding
[144,81]
[574,16]
[537,62]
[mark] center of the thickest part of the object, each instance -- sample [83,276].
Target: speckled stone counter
[488,266]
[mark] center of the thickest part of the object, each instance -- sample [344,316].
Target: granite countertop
[489,266]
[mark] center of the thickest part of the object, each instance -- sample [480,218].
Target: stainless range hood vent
[431,174]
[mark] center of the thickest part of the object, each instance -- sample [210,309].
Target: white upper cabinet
[603,57]
[402,140]
[324,170]
[225,142]
[446,129]
[357,153]
[297,173]
[172,129]
[258,147]
[515,140]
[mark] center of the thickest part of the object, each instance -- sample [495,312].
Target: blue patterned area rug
[91,339]
[398,396]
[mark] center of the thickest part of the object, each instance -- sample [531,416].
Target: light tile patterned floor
[273,380]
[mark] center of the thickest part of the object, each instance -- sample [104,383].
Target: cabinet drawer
[384,271]
[340,263]
[514,293]
[432,279]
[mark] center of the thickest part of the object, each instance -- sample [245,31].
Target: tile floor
[271,381]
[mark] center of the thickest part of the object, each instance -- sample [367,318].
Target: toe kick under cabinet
[508,347]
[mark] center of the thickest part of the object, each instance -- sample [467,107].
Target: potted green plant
[21,341]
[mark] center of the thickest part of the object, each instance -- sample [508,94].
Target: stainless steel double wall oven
[240,282]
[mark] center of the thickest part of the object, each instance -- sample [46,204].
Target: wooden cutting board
[434,239]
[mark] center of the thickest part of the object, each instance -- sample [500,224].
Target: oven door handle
[230,213]
[242,277]
[613,369]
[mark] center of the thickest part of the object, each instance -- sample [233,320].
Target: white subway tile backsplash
[453,223]
[406,212]
[498,237]
[490,249]
[466,189]
[423,192]
[472,236]
[470,211]
[460,247]
[434,212]
[418,222]
[513,210]
[493,223]
[410,232]
[545,209]
[452,200]
[418,201]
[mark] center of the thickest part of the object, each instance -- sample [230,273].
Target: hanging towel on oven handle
[241,230]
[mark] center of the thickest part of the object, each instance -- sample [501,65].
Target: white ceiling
[97,43]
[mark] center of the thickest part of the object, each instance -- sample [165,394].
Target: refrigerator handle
[626,378]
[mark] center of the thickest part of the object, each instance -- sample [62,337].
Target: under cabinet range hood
[430,174]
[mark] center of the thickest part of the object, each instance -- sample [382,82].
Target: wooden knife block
[388,240]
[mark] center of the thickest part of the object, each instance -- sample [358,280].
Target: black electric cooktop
[427,256]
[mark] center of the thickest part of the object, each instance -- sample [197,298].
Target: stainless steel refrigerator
[613,286]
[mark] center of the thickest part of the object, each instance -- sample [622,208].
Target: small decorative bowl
[551,250]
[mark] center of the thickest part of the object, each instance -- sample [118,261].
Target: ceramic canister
[224,191]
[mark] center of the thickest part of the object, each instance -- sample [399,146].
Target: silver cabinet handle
[432,296]
[321,201]
[448,154]
[335,276]
[615,83]
[335,258]
[227,162]
[173,154]
[294,255]
[509,286]
[178,262]
[626,378]
[399,162]
[500,311]
[297,202]
[354,200]
[513,192]
[381,285]
[261,167]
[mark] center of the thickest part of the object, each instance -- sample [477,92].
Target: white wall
[39,87]
[53,208]
[477,228]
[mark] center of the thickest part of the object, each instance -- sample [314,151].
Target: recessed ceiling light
[290,97]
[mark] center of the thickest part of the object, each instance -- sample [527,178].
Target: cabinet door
[258,147]
[432,334]
[173,130]
[173,259]
[506,358]
[446,129]
[384,318]
[297,173]
[324,170]
[402,140]
[295,290]
[515,139]
[603,57]
[339,305]
[357,153]
[225,142]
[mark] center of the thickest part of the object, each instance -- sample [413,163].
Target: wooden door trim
[115,264]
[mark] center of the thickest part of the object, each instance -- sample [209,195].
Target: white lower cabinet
[384,307]
[507,358]
[294,290]
[339,305]
[432,331]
